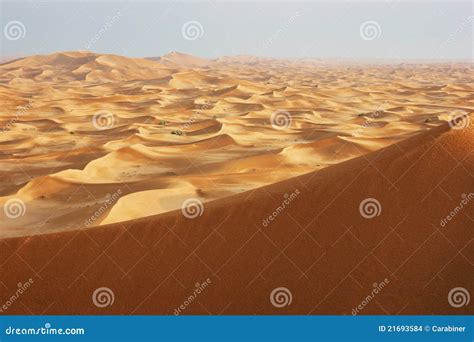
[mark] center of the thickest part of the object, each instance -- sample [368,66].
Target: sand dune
[177,60]
[81,66]
[319,247]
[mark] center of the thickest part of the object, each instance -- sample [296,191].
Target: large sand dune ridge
[320,250]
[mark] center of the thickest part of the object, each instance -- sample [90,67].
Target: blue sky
[323,29]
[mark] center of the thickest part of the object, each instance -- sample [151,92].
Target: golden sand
[83,132]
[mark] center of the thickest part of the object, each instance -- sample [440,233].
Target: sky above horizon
[357,30]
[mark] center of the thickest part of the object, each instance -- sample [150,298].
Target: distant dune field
[140,136]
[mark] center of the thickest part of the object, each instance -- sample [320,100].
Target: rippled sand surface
[90,139]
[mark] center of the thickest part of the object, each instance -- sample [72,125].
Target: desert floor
[152,177]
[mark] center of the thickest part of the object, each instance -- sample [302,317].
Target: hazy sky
[324,29]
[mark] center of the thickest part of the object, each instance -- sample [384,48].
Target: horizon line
[334,59]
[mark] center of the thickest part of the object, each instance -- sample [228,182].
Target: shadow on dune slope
[322,247]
